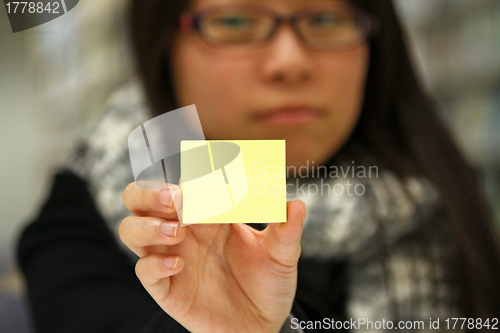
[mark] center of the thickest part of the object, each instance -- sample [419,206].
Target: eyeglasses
[335,27]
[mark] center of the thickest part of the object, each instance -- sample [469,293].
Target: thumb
[283,239]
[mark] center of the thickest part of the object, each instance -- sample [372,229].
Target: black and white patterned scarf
[379,231]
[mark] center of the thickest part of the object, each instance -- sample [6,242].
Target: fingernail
[169,228]
[165,197]
[171,262]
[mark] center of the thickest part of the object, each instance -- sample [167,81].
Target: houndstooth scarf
[377,229]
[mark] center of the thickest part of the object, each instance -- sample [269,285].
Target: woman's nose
[285,59]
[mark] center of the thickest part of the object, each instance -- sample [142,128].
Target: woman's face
[279,90]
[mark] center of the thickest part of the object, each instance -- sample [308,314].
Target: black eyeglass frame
[370,24]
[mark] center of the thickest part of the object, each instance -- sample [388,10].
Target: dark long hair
[398,124]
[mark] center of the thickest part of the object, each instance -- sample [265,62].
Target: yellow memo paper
[242,181]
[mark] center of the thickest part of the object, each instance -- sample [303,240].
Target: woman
[333,78]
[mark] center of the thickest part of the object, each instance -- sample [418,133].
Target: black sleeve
[78,278]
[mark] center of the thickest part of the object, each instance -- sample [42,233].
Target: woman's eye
[323,20]
[233,21]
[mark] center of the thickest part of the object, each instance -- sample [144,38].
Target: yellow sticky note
[241,181]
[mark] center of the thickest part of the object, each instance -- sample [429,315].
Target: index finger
[153,202]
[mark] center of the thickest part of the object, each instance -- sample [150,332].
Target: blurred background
[55,78]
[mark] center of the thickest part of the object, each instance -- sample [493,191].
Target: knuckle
[145,229]
[147,269]
[148,199]
[141,194]
[144,196]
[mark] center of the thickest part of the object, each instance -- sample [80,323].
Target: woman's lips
[290,116]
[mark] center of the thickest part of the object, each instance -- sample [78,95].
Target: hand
[213,278]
